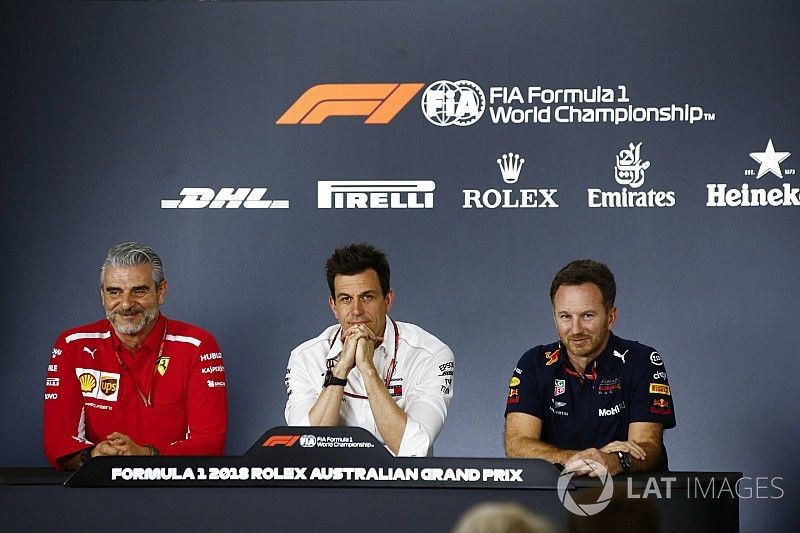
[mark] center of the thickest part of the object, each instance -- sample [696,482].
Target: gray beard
[133,329]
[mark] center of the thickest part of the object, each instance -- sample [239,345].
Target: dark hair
[355,259]
[587,271]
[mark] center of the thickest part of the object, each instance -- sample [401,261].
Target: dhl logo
[281,440]
[379,102]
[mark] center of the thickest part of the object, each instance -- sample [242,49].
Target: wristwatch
[330,379]
[86,454]
[625,462]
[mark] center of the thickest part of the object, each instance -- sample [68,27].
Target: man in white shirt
[391,378]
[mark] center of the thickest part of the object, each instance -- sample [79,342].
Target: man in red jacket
[134,383]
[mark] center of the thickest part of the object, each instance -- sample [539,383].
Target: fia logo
[445,103]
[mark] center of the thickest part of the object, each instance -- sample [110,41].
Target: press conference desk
[373,492]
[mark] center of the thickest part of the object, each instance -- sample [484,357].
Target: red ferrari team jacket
[171,393]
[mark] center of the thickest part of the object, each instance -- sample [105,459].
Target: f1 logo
[379,102]
[280,440]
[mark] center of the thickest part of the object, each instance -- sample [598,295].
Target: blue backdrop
[111,108]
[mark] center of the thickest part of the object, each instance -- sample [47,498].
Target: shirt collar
[606,360]
[153,341]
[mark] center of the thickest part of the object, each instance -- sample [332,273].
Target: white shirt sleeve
[302,391]
[426,403]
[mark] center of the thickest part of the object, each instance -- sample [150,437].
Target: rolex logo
[510,165]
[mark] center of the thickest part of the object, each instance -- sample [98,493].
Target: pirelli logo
[659,388]
[403,194]
[379,102]
[281,440]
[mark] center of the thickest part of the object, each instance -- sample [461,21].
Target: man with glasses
[392,378]
[134,383]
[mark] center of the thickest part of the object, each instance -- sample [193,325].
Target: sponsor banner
[659,388]
[98,384]
[392,194]
[227,197]
[353,475]
[617,409]
[378,102]
[766,193]
[464,102]
[510,167]
[629,172]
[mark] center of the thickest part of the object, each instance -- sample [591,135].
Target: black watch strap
[625,462]
[330,379]
[86,454]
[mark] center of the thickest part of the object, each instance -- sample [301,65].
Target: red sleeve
[64,422]
[207,404]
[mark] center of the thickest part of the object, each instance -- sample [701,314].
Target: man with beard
[591,398]
[134,383]
[391,378]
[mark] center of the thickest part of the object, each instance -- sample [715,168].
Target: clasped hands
[358,349]
[119,444]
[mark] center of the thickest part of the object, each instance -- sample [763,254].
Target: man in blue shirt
[592,396]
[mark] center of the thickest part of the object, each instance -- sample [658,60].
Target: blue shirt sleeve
[652,396]
[523,390]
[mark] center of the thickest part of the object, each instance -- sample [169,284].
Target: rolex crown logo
[510,166]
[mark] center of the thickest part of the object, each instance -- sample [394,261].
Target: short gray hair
[130,254]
